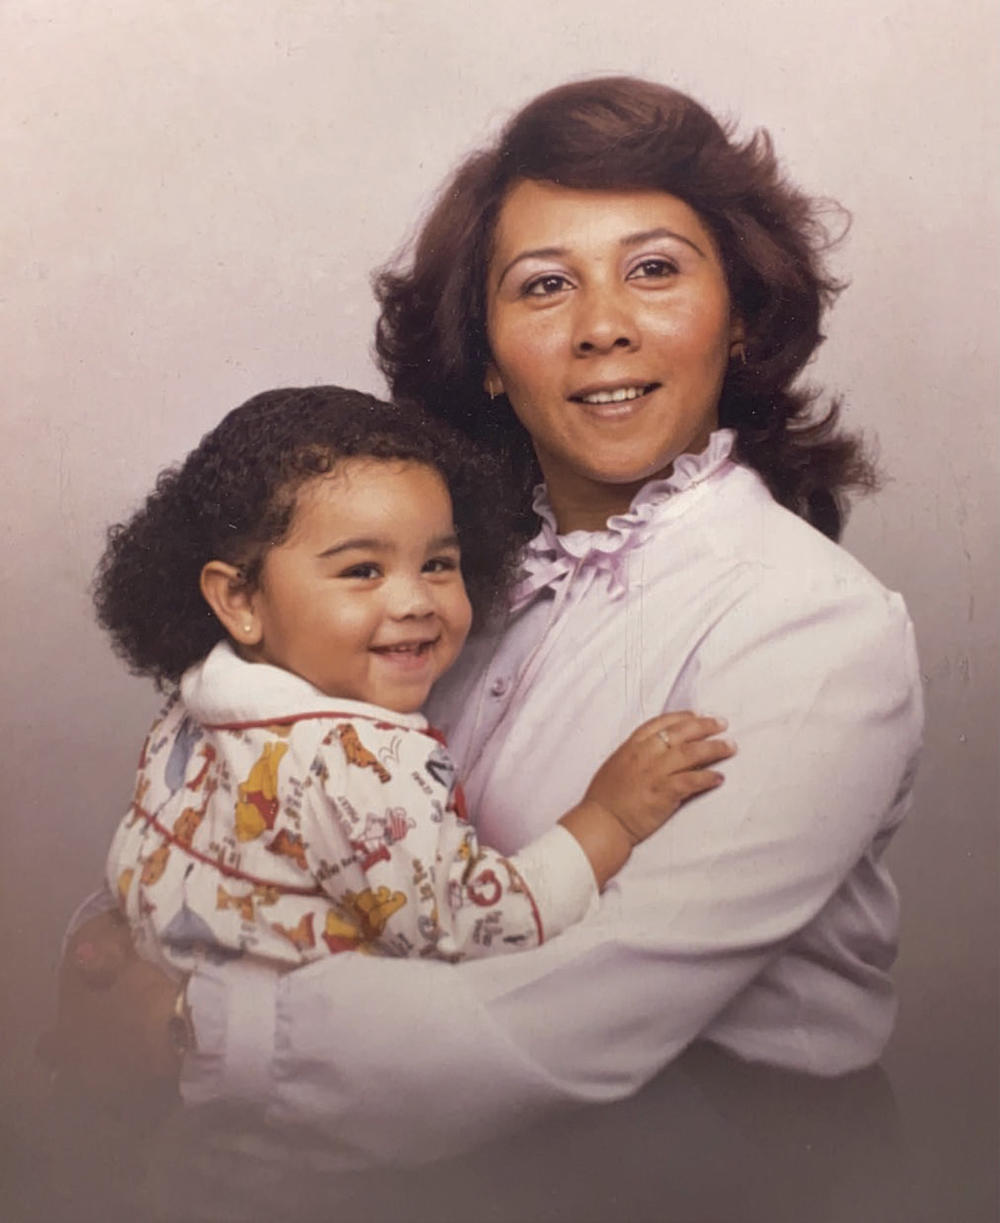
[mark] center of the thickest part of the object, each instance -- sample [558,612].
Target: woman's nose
[604,321]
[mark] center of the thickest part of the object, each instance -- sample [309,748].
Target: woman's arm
[403,1061]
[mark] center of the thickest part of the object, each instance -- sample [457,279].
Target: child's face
[365,598]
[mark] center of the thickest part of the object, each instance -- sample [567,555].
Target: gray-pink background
[195,194]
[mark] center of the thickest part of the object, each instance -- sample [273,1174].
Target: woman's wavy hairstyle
[622,133]
[234,497]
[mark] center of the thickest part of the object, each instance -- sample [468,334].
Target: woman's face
[610,328]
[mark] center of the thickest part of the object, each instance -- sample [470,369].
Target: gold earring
[248,628]
[738,352]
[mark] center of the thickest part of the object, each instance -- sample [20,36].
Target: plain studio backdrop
[196,193]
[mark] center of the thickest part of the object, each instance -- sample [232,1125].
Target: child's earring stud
[248,628]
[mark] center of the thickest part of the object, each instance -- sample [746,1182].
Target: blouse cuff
[233,1009]
[96,902]
[560,877]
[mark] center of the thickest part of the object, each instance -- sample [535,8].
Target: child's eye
[366,570]
[547,285]
[441,564]
[653,268]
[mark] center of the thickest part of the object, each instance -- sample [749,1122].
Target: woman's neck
[582,505]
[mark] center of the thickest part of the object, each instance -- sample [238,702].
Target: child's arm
[642,784]
[434,889]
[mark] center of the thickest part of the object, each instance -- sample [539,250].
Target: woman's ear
[737,339]
[492,382]
[228,595]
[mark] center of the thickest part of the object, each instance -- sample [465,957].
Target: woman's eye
[365,570]
[546,286]
[653,269]
[441,564]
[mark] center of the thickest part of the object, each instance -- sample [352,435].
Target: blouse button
[499,686]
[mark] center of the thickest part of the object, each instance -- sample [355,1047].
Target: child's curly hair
[234,497]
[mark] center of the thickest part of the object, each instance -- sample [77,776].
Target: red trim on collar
[290,719]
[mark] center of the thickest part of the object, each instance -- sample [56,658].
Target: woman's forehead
[547,218]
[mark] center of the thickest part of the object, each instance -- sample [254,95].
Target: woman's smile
[610,329]
[607,395]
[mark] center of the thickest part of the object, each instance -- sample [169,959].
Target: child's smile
[365,598]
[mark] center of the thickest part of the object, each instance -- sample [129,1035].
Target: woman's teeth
[619,395]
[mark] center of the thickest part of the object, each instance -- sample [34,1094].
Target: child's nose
[410,597]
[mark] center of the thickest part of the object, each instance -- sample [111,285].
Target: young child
[300,582]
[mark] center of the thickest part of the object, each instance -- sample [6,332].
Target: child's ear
[228,595]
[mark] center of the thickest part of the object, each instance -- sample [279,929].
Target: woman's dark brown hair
[621,133]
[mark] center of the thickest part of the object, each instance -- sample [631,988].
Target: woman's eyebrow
[648,235]
[636,239]
[542,252]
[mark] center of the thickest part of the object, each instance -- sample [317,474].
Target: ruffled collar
[551,557]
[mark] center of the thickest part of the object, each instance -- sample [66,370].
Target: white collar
[224,689]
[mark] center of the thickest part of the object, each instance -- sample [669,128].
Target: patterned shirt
[272,821]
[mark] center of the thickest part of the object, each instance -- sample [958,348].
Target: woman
[617,298]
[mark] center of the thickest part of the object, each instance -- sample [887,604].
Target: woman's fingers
[111,1043]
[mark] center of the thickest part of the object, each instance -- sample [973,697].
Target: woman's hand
[112,1042]
[642,784]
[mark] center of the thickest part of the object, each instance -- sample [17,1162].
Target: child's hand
[658,767]
[641,785]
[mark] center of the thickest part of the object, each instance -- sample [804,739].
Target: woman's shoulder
[743,524]
[809,619]
[760,574]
